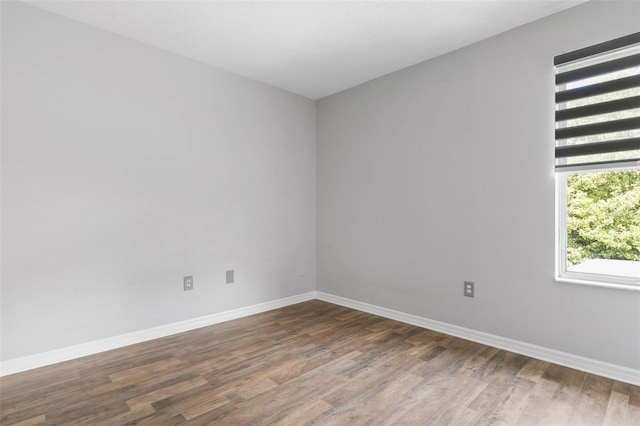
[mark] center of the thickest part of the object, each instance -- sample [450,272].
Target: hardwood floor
[313,363]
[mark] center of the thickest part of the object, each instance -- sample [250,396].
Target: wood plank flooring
[318,364]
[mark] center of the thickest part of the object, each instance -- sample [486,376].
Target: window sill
[628,287]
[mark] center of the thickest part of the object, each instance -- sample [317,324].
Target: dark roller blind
[598,105]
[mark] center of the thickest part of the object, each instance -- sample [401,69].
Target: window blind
[598,106]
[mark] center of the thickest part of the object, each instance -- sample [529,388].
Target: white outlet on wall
[469,288]
[188,283]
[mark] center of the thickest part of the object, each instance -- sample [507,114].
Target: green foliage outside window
[603,220]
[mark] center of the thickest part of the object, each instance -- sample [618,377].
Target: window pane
[603,223]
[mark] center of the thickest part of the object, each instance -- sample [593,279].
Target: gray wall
[443,172]
[124,168]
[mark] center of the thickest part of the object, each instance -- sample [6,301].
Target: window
[598,163]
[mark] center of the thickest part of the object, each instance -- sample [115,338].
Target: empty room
[320,212]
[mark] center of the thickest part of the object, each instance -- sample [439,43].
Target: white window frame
[585,63]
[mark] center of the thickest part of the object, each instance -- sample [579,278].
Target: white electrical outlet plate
[469,288]
[188,283]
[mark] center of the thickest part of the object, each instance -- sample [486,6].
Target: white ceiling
[312,48]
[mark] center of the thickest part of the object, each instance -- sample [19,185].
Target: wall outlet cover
[469,288]
[187,283]
[230,277]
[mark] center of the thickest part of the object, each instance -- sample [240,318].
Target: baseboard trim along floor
[588,365]
[18,365]
[612,371]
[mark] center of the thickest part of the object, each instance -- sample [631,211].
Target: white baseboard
[17,365]
[616,372]
[600,368]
